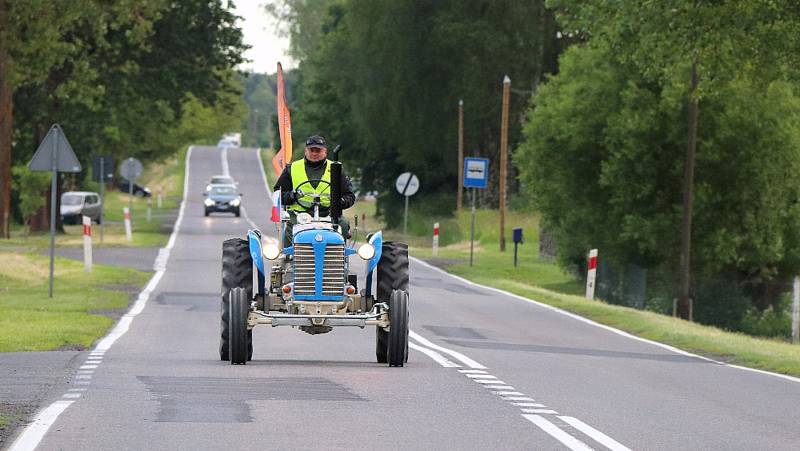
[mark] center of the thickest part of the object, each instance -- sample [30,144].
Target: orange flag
[281,159]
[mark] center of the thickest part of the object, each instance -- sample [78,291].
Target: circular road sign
[407,184]
[131,169]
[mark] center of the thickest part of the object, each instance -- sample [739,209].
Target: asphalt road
[486,371]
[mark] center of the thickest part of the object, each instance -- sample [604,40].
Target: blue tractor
[309,285]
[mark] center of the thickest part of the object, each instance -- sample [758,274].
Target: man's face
[316,153]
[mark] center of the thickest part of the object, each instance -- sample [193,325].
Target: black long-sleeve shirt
[314,171]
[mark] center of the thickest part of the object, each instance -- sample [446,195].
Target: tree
[714,39]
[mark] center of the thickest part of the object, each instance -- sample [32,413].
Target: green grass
[545,282]
[73,318]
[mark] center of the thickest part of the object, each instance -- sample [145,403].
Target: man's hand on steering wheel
[298,192]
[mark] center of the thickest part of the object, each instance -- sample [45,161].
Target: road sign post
[102,172]
[796,311]
[406,184]
[87,243]
[517,235]
[476,176]
[54,154]
[130,170]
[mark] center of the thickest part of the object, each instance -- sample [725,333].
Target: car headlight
[208,187]
[209,203]
[235,202]
[271,251]
[304,218]
[366,251]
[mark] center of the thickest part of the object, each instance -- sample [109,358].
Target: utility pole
[683,305]
[504,162]
[459,197]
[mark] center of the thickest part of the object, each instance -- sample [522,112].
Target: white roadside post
[591,277]
[127,214]
[149,209]
[796,310]
[435,239]
[87,243]
[160,193]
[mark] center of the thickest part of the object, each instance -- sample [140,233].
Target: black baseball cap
[316,140]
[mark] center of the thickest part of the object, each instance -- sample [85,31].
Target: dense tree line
[384,77]
[127,78]
[605,154]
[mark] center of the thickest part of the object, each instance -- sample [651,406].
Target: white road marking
[438,358]
[77,389]
[33,433]
[602,326]
[499,387]
[527,404]
[598,436]
[519,398]
[488,381]
[88,367]
[540,411]
[556,432]
[508,393]
[464,359]
[83,376]
[472,371]
[71,395]
[85,371]
[481,376]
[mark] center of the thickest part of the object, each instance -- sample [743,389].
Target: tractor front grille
[305,270]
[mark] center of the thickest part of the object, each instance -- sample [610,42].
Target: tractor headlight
[235,202]
[303,218]
[209,203]
[271,251]
[366,251]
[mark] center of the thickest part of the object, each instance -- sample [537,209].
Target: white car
[75,204]
[226,144]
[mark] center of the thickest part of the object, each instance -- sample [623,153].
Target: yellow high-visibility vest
[299,176]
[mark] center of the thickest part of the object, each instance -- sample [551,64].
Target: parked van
[75,204]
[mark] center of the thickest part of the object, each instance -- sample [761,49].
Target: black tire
[240,343]
[392,275]
[397,343]
[138,193]
[238,213]
[237,271]
[206,212]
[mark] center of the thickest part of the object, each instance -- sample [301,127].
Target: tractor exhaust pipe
[336,186]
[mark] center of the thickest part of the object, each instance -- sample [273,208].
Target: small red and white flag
[276,206]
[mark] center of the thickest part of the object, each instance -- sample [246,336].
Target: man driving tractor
[315,168]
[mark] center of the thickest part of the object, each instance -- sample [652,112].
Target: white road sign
[407,184]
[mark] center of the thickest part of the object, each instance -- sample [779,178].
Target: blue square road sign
[476,172]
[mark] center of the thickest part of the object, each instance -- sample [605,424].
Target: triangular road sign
[55,141]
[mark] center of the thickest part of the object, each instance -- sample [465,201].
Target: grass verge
[545,282]
[82,309]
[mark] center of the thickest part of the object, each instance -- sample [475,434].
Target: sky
[260,32]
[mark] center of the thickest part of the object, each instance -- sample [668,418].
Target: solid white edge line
[438,358]
[557,433]
[596,435]
[603,326]
[33,433]
[464,359]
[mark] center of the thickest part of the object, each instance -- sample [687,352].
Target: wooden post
[504,162]
[459,197]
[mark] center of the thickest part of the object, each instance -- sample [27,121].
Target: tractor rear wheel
[237,271]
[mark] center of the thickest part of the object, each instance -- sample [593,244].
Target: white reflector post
[87,243]
[127,214]
[592,274]
[435,239]
[796,310]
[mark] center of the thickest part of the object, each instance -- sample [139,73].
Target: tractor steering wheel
[300,194]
